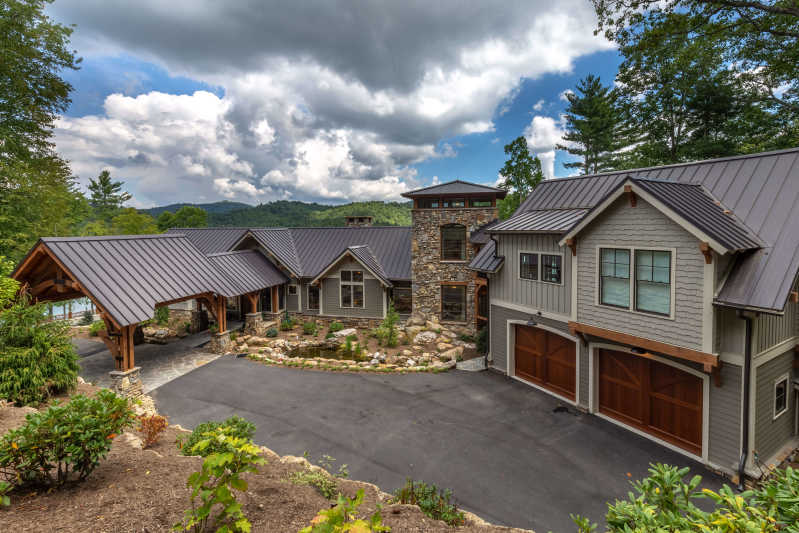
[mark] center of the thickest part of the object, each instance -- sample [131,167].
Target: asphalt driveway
[507,451]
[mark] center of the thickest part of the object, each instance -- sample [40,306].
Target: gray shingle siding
[373,300]
[508,287]
[724,433]
[643,226]
[771,434]
[293,301]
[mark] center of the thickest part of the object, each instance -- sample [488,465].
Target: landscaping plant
[309,328]
[38,359]
[5,488]
[271,332]
[482,340]
[65,441]
[387,333]
[335,326]
[86,318]
[235,426]
[151,427]
[96,327]
[162,315]
[213,486]
[318,479]
[433,501]
[342,518]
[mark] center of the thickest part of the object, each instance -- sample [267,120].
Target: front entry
[662,400]
[546,359]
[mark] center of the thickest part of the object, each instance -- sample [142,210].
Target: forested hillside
[214,207]
[292,214]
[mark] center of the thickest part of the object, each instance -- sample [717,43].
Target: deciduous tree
[520,175]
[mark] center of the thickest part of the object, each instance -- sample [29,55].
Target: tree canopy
[107,196]
[187,216]
[520,175]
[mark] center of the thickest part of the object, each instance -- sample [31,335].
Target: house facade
[663,300]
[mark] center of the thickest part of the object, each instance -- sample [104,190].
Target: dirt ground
[144,491]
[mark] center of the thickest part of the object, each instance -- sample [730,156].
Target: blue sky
[267,102]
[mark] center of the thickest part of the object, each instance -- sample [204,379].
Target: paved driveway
[503,448]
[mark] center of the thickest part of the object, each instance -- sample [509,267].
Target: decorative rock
[406,353]
[443,347]
[345,332]
[257,341]
[416,320]
[452,353]
[413,331]
[432,325]
[425,337]
[448,333]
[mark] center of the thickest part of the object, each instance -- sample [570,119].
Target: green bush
[433,502]
[235,426]
[162,315]
[65,441]
[342,518]
[466,338]
[329,335]
[86,318]
[96,327]
[321,481]
[309,328]
[781,493]
[387,334]
[233,336]
[271,332]
[335,326]
[482,341]
[38,359]
[5,488]
[286,325]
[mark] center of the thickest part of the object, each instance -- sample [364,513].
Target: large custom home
[663,299]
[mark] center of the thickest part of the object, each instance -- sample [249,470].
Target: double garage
[650,396]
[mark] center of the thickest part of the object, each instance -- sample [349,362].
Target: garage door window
[615,277]
[453,303]
[653,281]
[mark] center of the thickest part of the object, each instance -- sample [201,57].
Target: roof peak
[431,188]
[115,237]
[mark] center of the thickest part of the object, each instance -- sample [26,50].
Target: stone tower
[445,217]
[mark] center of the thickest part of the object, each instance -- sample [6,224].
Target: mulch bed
[144,491]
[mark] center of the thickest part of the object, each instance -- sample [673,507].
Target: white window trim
[539,266]
[292,286]
[341,284]
[631,308]
[786,378]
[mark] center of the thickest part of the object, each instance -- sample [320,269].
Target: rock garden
[418,345]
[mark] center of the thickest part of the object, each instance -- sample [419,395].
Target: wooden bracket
[253,298]
[716,373]
[572,243]
[795,297]
[629,190]
[704,247]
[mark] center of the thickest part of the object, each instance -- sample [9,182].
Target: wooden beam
[629,190]
[707,360]
[572,243]
[704,247]
[716,373]
[795,297]
[253,298]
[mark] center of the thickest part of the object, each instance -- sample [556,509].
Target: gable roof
[456,187]
[761,190]
[279,242]
[363,255]
[211,240]
[248,270]
[540,221]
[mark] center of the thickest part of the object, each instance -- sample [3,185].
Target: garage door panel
[546,359]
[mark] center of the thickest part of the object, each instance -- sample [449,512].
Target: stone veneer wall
[429,272]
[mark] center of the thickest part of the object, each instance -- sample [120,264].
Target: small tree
[131,222]
[520,175]
[387,331]
[107,196]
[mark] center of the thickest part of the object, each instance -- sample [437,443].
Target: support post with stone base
[127,383]
[254,324]
[220,342]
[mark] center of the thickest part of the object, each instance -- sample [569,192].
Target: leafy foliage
[335,326]
[520,175]
[309,328]
[387,333]
[235,426]
[162,315]
[96,327]
[151,427]
[8,286]
[188,216]
[65,441]
[482,340]
[342,518]
[433,501]
[86,318]
[38,359]
[213,486]
[5,488]
[271,332]
[318,479]
[298,214]
[131,222]
[780,495]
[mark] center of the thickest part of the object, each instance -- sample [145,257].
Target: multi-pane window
[402,298]
[551,268]
[313,297]
[427,203]
[351,288]
[528,266]
[454,202]
[615,277]
[653,281]
[453,242]
[780,396]
[480,202]
[453,302]
[292,290]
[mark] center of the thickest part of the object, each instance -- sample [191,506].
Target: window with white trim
[614,280]
[351,288]
[647,291]
[653,281]
[781,395]
[292,290]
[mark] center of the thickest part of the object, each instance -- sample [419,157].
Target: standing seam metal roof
[365,256]
[456,187]
[541,221]
[248,270]
[211,240]
[486,260]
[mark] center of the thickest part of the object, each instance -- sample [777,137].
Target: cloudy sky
[326,101]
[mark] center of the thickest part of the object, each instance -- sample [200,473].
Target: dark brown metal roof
[248,270]
[480,235]
[540,221]
[130,274]
[456,187]
[761,190]
[280,243]
[486,260]
[362,254]
[211,240]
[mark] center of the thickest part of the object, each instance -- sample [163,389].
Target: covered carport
[127,277]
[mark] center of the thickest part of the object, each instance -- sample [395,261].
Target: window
[528,266]
[453,242]
[292,290]
[780,395]
[454,202]
[266,300]
[402,298]
[281,297]
[453,303]
[551,267]
[351,288]
[615,277]
[480,202]
[427,203]
[653,281]
[313,298]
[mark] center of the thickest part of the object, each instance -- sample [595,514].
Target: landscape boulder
[345,333]
[425,337]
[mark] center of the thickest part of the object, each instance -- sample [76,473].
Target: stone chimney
[359,221]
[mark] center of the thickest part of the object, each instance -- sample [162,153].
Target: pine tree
[520,175]
[594,124]
[107,197]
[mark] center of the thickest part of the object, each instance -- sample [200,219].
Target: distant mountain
[294,214]
[212,208]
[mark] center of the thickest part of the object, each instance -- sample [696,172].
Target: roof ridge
[114,237]
[453,181]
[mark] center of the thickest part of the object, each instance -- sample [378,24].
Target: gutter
[746,398]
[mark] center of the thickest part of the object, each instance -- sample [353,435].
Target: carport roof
[248,270]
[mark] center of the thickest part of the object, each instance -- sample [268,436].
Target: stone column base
[220,343]
[127,383]
[254,324]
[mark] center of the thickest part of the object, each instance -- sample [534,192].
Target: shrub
[233,336]
[235,426]
[341,518]
[387,333]
[433,502]
[151,427]
[38,359]
[5,488]
[64,441]
[482,341]
[96,327]
[318,479]
[466,338]
[86,318]
[309,328]
[335,326]
[162,315]
[286,325]
[271,332]
[213,485]
[781,493]
[329,335]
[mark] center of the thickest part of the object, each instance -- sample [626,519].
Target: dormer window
[636,279]
[453,242]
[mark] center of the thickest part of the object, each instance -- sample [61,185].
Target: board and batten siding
[506,286]
[724,433]
[770,330]
[772,434]
[373,293]
[730,332]
[646,227]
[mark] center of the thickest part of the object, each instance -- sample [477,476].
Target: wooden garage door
[546,359]
[657,398]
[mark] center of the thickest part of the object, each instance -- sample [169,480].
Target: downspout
[746,397]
